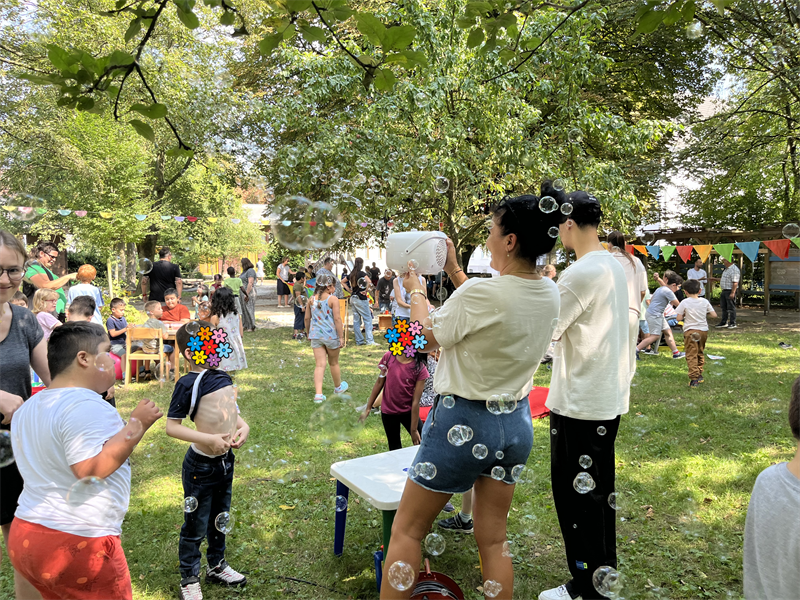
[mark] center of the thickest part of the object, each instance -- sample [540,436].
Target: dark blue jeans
[210,481]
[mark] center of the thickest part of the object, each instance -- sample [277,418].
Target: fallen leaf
[649,514]
[707,500]
[291,535]
[286,507]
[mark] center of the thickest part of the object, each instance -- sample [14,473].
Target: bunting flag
[64,212]
[685,252]
[749,249]
[796,241]
[667,251]
[655,251]
[604,245]
[725,251]
[779,247]
[703,251]
[629,248]
[642,249]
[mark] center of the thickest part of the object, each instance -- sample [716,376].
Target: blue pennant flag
[749,249]
[655,251]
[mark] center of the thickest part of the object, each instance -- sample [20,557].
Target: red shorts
[65,566]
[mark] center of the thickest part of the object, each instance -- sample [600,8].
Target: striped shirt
[729,277]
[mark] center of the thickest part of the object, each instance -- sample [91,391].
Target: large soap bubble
[304,225]
[336,420]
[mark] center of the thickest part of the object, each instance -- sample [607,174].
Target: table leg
[340,520]
[388,519]
[378,556]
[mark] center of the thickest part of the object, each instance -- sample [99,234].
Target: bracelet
[418,291]
[450,275]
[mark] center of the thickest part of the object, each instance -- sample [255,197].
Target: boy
[81,308]
[86,274]
[117,327]
[20,299]
[693,311]
[207,397]
[656,322]
[772,529]
[173,310]
[154,313]
[235,284]
[65,538]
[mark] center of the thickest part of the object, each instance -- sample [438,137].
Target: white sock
[465,516]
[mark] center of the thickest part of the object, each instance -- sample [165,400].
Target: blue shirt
[87,289]
[114,323]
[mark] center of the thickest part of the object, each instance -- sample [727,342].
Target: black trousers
[588,523]
[391,425]
[728,306]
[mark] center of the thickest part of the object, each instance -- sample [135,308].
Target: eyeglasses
[14,273]
[53,256]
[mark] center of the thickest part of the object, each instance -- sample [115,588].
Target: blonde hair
[41,296]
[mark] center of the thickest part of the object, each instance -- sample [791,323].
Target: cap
[585,207]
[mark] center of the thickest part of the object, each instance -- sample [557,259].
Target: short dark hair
[246,264]
[301,274]
[329,260]
[164,252]
[586,210]
[182,336]
[44,246]
[171,292]
[82,306]
[231,272]
[116,302]
[794,408]
[692,286]
[674,278]
[72,337]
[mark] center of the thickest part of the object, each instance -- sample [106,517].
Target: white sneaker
[559,593]
[190,589]
[224,574]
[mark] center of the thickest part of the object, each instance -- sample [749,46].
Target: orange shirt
[178,313]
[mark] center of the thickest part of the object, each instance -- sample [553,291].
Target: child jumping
[207,397]
[300,300]
[326,332]
[694,312]
[65,537]
[402,388]
[225,315]
[656,323]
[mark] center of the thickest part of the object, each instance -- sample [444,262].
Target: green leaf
[398,38]
[83,76]
[289,32]
[153,111]
[368,60]
[400,59]
[342,13]
[650,21]
[477,8]
[384,80]
[297,5]
[133,29]
[121,59]
[506,20]
[269,43]
[415,59]
[673,14]
[143,129]
[313,34]
[85,103]
[119,4]
[688,11]
[60,58]
[465,22]
[371,27]
[181,152]
[475,38]
[490,45]
[227,18]
[90,63]
[532,43]
[112,91]
[506,54]
[41,80]
[188,18]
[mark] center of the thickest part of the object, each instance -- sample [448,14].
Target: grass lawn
[676,447]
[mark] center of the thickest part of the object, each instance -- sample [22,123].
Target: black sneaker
[701,379]
[190,589]
[456,524]
[732,326]
[721,326]
[223,574]
[694,383]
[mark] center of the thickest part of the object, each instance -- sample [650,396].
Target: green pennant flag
[667,251]
[724,250]
[796,241]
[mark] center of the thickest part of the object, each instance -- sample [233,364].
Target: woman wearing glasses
[22,346]
[493,333]
[39,274]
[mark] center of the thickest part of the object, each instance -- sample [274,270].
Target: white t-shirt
[494,332]
[698,274]
[404,312]
[57,428]
[695,312]
[636,276]
[592,368]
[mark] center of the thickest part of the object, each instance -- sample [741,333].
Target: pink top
[48,323]
[401,379]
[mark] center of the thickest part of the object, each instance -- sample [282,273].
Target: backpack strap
[195,391]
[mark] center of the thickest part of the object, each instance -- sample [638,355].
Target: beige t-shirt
[636,276]
[592,362]
[695,313]
[494,332]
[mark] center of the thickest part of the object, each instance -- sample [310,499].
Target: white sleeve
[571,309]
[84,430]
[641,273]
[455,320]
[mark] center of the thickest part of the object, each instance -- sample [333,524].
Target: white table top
[379,478]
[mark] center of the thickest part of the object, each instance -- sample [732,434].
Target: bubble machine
[428,248]
[435,586]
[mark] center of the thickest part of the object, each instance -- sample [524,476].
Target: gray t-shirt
[661,297]
[16,350]
[772,537]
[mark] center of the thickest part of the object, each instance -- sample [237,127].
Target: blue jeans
[362,312]
[210,481]
[385,306]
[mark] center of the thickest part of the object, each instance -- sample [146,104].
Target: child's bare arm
[420,387]
[376,390]
[220,442]
[242,432]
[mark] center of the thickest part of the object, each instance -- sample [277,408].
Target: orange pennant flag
[779,247]
[703,251]
[604,245]
[641,248]
[685,252]
[628,248]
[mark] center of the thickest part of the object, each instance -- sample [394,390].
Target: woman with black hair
[248,278]
[493,333]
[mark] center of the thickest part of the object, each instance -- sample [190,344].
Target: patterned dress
[237,359]
[322,326]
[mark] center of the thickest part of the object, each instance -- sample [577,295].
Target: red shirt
[401,380]
[178,313]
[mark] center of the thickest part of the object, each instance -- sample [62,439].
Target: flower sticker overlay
[405,338]
[209,347]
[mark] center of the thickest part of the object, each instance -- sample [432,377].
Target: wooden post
[110,268]
[767,277]
[741,279]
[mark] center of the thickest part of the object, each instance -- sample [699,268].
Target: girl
[359,300]
[199,298]
[300,300]
[224,315]
[204,311]
[217,283]
[326,332]
[404,380]
[44,307]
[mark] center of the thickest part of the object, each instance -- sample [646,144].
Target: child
[173,310]
[404,382]
[204,311]
[200,297]
[326,332]
[20,299]
[694,310]
[217,283]
[44,305]
[224,315]
[154,314]
[772,529]
[81,308]
[300,298]
[86,274]
[656,323]
[65,520]
[117,327]
[208,398]
[235,285]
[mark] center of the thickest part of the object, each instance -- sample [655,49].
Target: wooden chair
[144,334]
[343,304]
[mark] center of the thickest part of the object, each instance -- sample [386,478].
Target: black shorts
[10,490]
[283,289]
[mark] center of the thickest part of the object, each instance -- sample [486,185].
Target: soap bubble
[448,401]
[517,472]
[224,522]
[649,237]
[441,184]
[189,504]
[506,553]
[407,168]
[480,451]
[607,582]
[508,403]
[694,30]
[341,504]
[84,490]
[791,230]
[144,266]
[459,435]
[303,225]
[413,264]
[437,170]
[553,431]
[695,337]
[426,470]
[601,430]
[421,99]
[574,136]
[193,328]
[382,369]
[280,471]
[558,185]
[133,428]
[498,472]
[23,207]
[499,455]
[363,283]
[6,451]
[493,405]
[104,363]
[422,162]
[548,204]
[585,461]
[441,294]
[401,576]
[553,232]
[613,501]
[336,420]
[617,122]
[583,483]
[566,208]
[492,588]
[434,544]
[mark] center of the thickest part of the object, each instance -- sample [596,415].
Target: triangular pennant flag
[105,215]
[166,217]
[655,251]
[641,249]
[796,241]
[685,252]
[191,219]
[779,247]
[604,245]
[266,221]
[629,248]
[179,219]
[80,213]
[64,212]
[140,217]
[703,251]
[236,221]
[725,251]
[749,249]
[667,251]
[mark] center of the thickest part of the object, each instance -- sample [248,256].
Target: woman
[248,301]
[402,298]
[636,276]
[22,347]
[493,333]
[359,300]
[40,276]
[283,272]
[260,271]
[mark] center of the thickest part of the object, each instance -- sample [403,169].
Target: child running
[656,322]
[225,315]
[326,332]
[300,298]
[402,387]
[694,311]
[208,398]
[72,450]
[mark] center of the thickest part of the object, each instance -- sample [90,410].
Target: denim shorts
[331,344]
[457,468]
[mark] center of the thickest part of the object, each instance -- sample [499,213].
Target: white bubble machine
[428,248]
